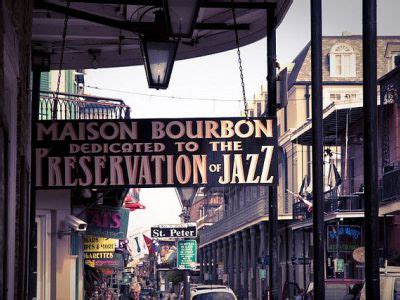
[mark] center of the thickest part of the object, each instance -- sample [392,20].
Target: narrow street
[199,149]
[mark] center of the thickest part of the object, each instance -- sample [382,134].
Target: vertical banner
[137,246]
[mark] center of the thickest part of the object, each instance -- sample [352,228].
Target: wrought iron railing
[348,203]
[301,211]
[64,106]
[227,223]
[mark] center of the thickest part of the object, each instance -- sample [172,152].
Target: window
[259,109]
[342,61]
[395,59]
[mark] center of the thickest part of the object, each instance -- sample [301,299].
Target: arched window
[342,61]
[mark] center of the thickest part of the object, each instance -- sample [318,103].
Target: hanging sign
[187,254]
[187,230]
[98,244]
[107,222]
[154,153]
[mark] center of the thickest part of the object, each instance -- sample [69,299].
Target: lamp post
[181,16]
[186,196]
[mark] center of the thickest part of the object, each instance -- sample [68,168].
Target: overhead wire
[164,96]
[180,97]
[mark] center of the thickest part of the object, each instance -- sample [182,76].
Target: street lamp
[186,196]
[181,16]
[159,56]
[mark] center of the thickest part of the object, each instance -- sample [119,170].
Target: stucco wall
[58,203]
[15,32]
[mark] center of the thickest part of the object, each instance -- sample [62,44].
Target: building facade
[59,249]
[343,143]
[238,242]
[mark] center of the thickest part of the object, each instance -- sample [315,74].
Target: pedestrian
[172,295]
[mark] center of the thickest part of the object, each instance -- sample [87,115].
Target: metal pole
[201,260]
[245,265]
[272,194]
[294,254]
[253,260]
[32,237]
[304,260]
[370,150]
[186,287]
[317,149]
[186,273]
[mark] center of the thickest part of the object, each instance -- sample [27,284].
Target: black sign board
[154,153]
[174,231]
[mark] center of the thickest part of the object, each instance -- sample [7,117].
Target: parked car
[211,292]
[389,284]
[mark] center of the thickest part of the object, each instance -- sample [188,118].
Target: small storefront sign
[154,153]
[98,244]
[347,237]
[187,230]
[301,260]
[108,260]
[107,222]
[262,273]
[339,265]
[187,255]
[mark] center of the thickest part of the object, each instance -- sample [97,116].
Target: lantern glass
[159,57]
[181,16]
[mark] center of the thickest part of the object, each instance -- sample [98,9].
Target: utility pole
[317,150]
[272,194]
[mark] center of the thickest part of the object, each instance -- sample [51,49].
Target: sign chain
[62,48]
[246,112]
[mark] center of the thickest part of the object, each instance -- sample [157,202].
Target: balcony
[332,204]
[391,182]
[80,107]
[226,224]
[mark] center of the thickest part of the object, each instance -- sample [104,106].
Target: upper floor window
[395,59]
[343,97]
[342,61]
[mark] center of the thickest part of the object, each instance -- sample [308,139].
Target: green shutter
[45,81]
[44,104]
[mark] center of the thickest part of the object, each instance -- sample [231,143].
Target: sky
[217,77]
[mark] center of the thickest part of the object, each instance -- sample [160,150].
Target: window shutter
[332,65]
[353,65]
[44,81]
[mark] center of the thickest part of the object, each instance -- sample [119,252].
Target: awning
[90,43]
